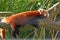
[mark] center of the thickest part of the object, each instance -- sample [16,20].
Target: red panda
[3,33]
[28,17]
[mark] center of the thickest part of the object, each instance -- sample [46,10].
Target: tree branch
[54,8]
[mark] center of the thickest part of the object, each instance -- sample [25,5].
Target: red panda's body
[22,18]
[29,17]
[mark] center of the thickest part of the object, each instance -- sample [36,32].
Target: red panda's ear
[40,10]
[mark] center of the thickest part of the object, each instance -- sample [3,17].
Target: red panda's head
[43,12]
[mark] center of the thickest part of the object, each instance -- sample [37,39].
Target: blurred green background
[17,6]
[24,5]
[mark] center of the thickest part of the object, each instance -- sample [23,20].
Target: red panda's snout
[46,15]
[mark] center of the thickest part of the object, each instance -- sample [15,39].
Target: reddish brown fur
[3,33]
[23,17]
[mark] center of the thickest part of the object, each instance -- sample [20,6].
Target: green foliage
[24,5]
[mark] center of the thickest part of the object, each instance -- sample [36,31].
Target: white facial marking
[3,21]
[40,10]
[48,15]
[45,15]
